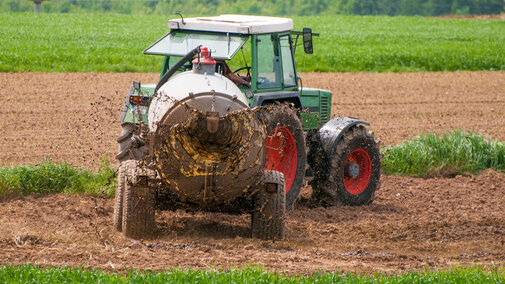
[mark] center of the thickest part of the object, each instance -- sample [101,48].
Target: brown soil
[413,223]
[74,117]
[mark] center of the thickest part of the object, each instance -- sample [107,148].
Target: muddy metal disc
[209,168]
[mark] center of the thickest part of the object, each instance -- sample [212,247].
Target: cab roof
[239,24]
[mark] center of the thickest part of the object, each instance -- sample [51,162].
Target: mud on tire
[138,201]
[268,217]
[286,118]
[118,199]
[357,147]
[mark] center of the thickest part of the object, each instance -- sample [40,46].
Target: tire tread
[268,217]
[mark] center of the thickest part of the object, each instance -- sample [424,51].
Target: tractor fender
[331,132]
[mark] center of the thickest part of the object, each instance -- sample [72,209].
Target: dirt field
[74,117]
[413,223]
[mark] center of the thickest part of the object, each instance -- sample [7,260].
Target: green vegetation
[79,43]
[379,44]
[106,42]
[49,177]
[265,7]
[453,153]
[31,274]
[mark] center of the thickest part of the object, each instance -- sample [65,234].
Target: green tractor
[209,138]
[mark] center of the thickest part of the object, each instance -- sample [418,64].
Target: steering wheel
[248,72]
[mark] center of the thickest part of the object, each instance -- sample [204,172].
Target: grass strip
[49,177]
[114,43]
[34,274]
[453,153]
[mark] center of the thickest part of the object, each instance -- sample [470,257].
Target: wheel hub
[357,171]
[352,170]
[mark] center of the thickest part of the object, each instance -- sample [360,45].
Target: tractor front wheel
[354,171]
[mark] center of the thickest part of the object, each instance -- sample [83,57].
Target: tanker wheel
[126,151]
[138,202]
[269,203]
[285,150]
[118,200]
[354,171]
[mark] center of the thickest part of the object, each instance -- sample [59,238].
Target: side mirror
[307,40]
[136,85]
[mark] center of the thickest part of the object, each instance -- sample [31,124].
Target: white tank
[197,89]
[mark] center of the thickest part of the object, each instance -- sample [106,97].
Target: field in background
[107,42]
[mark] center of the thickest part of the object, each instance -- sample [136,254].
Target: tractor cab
[258,50]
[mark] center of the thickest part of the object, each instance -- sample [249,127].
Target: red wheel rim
[357,184]
[281,154]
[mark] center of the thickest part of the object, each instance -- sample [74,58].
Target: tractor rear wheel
[118,199]
[285,150]
[269,203]
[354,171]
[138,202]
[126,149]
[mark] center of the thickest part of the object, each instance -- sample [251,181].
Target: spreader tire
[118,200]
[285,128]
[138,202]
[268,216]
[354,171]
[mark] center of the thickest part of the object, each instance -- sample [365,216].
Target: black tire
[126,151]
[138,202]
[356,145]
[118,199]
[284,116]
[269,202]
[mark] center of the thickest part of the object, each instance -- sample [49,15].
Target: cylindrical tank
[206,143]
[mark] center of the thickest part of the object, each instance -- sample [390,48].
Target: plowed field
[413,223]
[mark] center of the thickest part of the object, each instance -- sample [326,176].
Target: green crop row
[33,274]
[455,152]
[114,43]
[48,177]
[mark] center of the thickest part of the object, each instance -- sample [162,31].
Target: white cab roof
[240,24]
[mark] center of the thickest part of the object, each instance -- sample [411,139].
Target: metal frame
[255,67]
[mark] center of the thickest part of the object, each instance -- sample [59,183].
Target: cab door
[274,75]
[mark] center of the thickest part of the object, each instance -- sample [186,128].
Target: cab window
[269,73]
[288,68]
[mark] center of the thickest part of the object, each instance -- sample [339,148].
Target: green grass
[109,42]
[453,153]
[33,274]
[48,177]
[368,43]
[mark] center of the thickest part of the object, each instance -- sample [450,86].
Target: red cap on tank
[205,57]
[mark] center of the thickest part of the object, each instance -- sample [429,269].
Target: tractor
[205,137]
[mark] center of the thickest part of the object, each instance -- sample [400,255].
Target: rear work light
[140,100]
